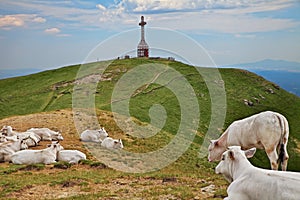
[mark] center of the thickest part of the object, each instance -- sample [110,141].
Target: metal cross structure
[143,48]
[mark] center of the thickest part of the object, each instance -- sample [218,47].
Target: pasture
[45,100]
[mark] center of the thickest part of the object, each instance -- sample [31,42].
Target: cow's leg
[273,157]
[285,157]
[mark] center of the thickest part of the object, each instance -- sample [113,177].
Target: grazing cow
[10,147]
[266,130]
[252,183]
[93,135]
[110,143]
[43,156]
[71,156]
[46,134]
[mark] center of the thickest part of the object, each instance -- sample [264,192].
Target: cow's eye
[223,157]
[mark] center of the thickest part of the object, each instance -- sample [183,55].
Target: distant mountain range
[284,73]
[267,65]
[8,73]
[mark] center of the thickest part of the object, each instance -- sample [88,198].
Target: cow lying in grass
[93,135]
[10,147]
[71,156]
[267,130]
[252,183]
[110,143]
[43,156]
[46,134]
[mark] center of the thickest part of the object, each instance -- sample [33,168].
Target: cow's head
[23,144]
[55,145]
[57,136]
[118,144]
[103,134]
[215,150]
[232,155]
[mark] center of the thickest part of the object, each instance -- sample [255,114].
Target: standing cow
[267,130]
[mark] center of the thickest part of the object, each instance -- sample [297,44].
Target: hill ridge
[53,89]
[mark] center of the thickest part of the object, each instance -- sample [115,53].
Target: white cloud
[52,30]
[19,20]
[245,35]
[226,16]
[100,7]
[39,20]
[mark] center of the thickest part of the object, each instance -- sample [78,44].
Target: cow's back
[256,130]
[267,184]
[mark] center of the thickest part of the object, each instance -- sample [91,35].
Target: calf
[46,134]
[252,183]
[70,156]
[44,156]
[267,130]
[93,135]
[110,143]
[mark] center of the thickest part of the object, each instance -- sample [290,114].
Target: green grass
[52,90]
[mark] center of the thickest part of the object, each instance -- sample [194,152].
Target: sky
[48,34]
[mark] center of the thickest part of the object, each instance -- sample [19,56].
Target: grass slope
[53,90]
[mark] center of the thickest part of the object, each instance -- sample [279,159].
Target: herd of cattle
[267,130]
[14,145]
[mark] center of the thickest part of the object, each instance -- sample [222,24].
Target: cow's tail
[284,135]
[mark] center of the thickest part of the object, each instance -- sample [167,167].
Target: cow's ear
[250,152]
[231,155]
[214,142]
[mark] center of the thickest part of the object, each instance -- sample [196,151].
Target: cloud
[52,30]
[245,35]
[225,16]
[39,20]
[19,20]
[163,6]
[100,7]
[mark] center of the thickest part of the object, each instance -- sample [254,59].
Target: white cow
[3,138]
[266,130]
[9,138]
[8,131]
[10,147]
[32,139]
[252,183]
[46,134]
[44,156]
[71,156]
[93,135]
[110,143]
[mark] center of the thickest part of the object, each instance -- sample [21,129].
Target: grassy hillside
[53,90]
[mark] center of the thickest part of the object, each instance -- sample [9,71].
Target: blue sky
[49,34]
